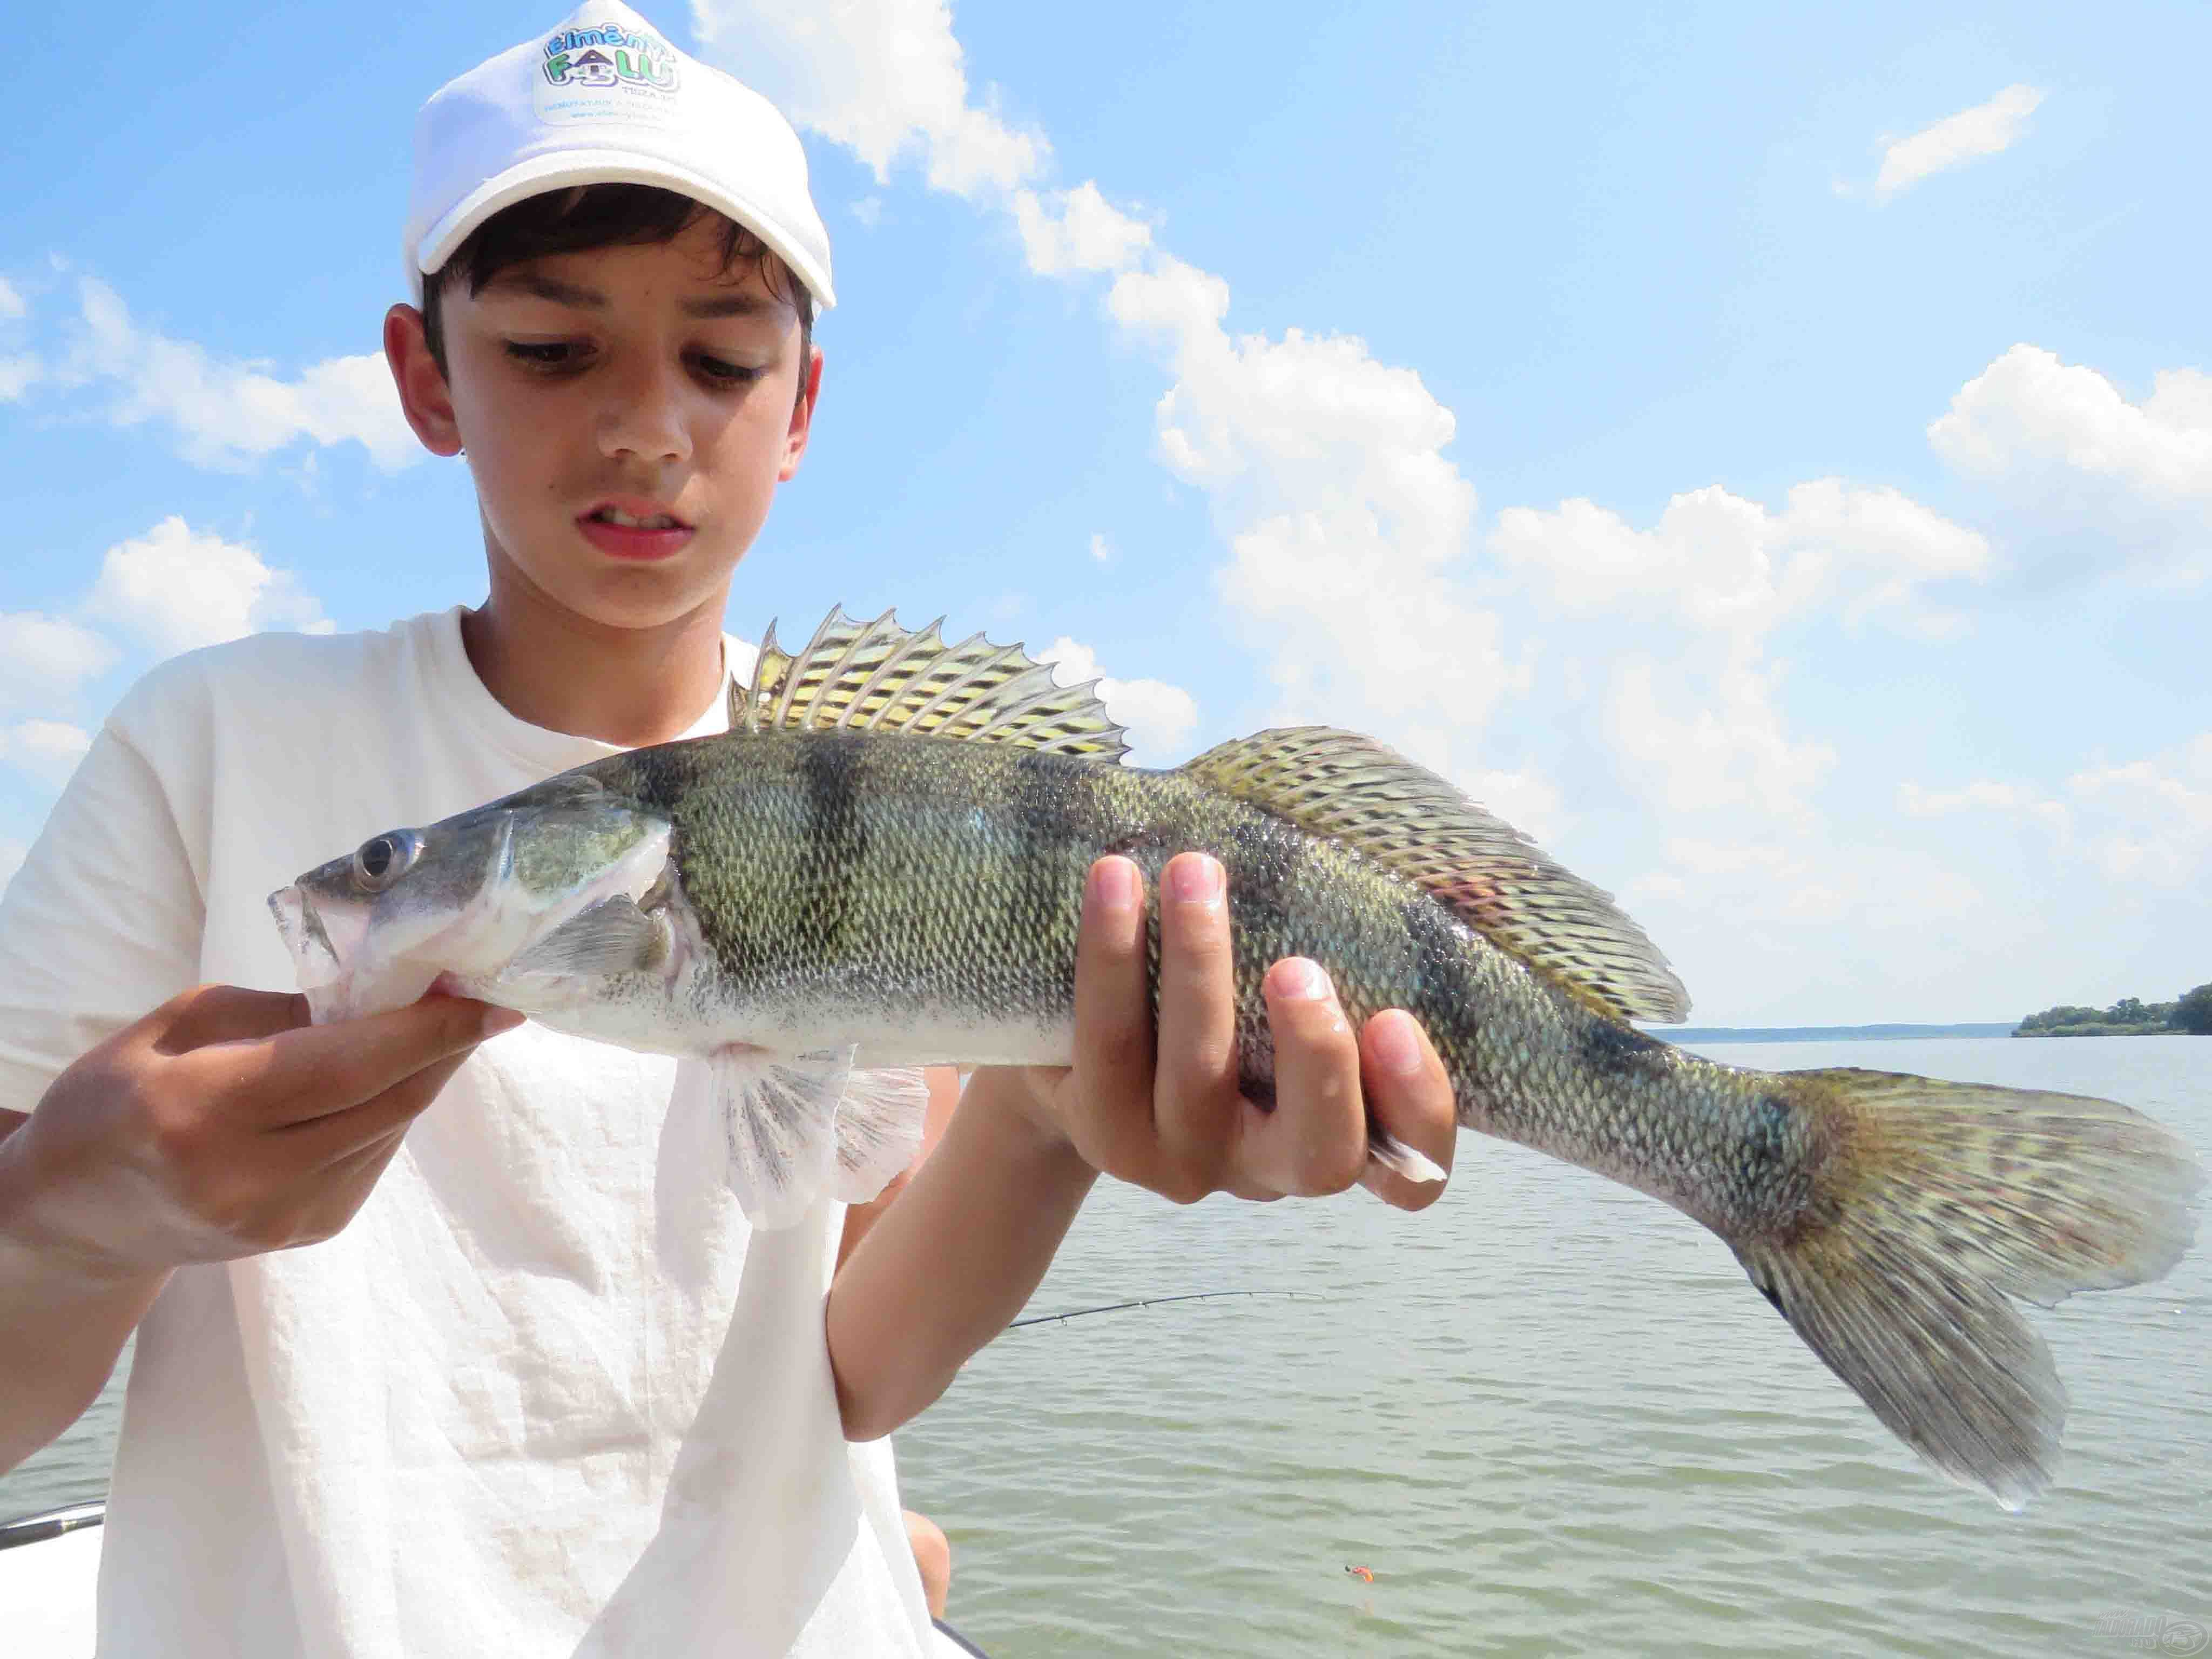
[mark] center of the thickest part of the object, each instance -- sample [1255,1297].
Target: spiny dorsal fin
[877,677]
[1356,791]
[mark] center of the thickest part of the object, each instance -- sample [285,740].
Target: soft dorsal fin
[877,677]
[1356,791]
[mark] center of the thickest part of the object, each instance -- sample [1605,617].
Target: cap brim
[564,168]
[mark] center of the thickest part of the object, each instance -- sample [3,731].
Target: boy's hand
[224,1125]
[1166,1112]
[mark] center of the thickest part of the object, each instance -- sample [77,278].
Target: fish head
[375,928]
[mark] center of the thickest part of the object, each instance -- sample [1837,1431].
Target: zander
[881,866]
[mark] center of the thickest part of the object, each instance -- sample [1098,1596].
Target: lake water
[1548,1415]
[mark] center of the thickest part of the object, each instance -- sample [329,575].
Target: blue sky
[1766,453]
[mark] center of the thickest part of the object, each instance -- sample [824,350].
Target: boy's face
[627,413]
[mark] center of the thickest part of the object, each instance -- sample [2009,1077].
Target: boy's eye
[546,353]
[725,372]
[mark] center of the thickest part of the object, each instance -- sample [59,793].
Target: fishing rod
[1143,1302]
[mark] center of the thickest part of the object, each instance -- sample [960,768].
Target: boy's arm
[943,1270]
[221,1125]
[953,1261]
[62,1336]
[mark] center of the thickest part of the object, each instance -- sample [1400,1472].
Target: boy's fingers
[329,1140]
[1113,1023]
[1315,1142]
[1410,1097]
[224,1013]
[320,1069]
[1196,1104]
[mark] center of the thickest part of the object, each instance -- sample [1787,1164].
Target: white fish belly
[923,1036]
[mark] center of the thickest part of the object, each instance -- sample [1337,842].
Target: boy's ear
[424,398]
[802,416]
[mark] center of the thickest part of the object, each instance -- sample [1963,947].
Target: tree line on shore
[2189,1013]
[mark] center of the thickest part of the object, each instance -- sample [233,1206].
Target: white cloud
[1985,130]
[1704,730]
[1160,717]
[1984,795]
[2156,823]
[45,751]
[45,659]
[885,78]
[1078,229]
[1721,562]
[2145,821]
[1348,529]
[175,589]
[869,211]
[1527,801]
[19,374]
[11,302]
[2175,786]
[12,854]
[1805,884]
[2027,411]
[229,413]
[1726,751]
[1101,549]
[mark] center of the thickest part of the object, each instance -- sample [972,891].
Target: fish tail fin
[1933,1205]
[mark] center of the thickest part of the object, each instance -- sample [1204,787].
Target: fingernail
[1298,979]
[1114,885]
[496,1020]
[1194,879]
[1397,1044]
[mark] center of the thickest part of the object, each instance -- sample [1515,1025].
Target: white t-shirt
[547,1394]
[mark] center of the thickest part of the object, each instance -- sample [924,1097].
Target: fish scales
[881,865]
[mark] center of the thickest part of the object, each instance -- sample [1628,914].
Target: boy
[538,1388]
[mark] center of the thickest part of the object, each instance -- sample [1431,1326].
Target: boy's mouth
[633,530]
[607,512]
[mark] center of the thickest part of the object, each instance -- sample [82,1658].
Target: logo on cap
[605,58]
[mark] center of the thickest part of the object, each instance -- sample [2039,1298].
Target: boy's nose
[644,415]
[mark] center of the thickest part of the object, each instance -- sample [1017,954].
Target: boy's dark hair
[601,215]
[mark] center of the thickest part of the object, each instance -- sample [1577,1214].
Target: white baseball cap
[604,98]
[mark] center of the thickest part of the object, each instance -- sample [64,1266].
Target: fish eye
[382,859]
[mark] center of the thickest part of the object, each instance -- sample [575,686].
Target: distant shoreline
[2093,1029]
[1829,1033]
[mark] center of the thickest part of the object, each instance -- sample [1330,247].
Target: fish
[880,866]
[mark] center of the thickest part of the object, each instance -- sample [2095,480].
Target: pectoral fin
[611,937]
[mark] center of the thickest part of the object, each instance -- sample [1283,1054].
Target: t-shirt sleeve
[102,922]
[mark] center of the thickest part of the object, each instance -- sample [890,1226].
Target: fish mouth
[312,954]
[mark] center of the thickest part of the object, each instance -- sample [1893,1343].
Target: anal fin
[780,1118]
[879,1130]
[804,1126]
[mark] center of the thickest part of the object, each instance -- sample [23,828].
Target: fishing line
[1143,1302]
